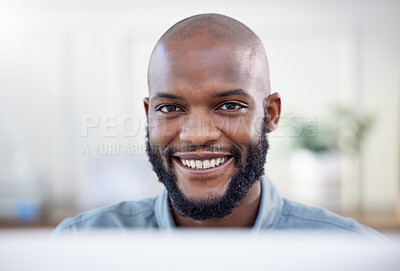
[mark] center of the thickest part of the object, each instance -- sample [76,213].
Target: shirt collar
[267,217]
[270,206]
[163,212]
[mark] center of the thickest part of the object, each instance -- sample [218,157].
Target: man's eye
[169,108]
[230,106]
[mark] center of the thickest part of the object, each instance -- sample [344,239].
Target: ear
[273,110]
[146,106]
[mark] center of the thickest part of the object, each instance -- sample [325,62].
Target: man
[209,109]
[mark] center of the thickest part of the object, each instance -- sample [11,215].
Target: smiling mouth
[202,163]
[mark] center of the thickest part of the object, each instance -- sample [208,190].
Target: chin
[202,193]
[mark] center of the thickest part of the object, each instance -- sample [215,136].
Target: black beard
[247,175]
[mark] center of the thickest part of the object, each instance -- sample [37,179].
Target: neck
[243,216]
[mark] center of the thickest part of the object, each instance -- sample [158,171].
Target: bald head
[216,25]
[206,32]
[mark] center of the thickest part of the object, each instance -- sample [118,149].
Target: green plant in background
[347,131]
[322,137]
[354,127]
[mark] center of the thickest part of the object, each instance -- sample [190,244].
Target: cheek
[161,130]
[241,130]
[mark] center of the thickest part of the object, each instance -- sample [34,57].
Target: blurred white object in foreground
[195,250]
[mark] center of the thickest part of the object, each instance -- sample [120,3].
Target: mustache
[206,148]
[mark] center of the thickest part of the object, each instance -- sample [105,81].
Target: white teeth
[212,163]
[205,164]
[199,164]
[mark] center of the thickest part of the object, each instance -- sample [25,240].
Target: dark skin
[205,91]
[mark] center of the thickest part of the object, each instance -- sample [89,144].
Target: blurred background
[73,78]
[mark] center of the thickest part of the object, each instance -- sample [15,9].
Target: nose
[199,129]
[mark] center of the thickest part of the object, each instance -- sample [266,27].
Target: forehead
[203,64]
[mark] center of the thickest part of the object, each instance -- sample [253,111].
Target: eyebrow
[230,93]
[167,96]
[227,93]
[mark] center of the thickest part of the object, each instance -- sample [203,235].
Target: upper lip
[201,155]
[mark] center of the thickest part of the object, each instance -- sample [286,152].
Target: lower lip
[204,171]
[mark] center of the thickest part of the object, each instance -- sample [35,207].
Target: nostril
[199,130]
[199,138]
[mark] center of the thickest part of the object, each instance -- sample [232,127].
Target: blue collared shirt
[275,213]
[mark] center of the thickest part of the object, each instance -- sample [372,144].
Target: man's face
[207,124]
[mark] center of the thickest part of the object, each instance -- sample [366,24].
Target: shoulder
[129,214]
[300,216]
